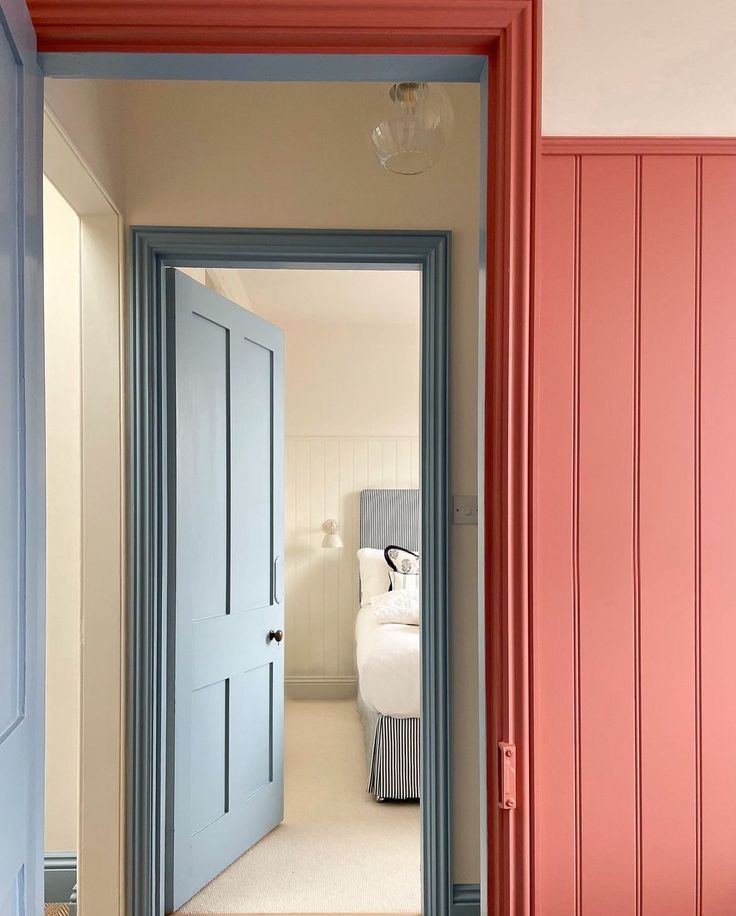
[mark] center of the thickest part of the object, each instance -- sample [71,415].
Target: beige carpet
[338,850]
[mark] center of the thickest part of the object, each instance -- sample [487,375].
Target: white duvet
[398,606]
[388,665]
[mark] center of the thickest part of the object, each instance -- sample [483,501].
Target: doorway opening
[347,652]
[160,293]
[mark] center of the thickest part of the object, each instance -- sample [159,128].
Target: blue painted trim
[150,732]
[484,404]
[59,876]
[466,900]
[282,68]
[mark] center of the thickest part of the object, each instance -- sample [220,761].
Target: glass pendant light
[414,127]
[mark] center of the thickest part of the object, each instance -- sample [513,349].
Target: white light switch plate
[465,510]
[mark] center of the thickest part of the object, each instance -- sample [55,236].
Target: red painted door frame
[507,33]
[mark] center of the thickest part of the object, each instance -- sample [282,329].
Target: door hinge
[507,775]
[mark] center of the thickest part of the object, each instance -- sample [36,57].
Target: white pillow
[374,572]
[401,581]
[397,607]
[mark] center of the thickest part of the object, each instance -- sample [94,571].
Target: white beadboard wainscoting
[324,477]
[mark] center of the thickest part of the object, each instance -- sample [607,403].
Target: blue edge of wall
[60,876]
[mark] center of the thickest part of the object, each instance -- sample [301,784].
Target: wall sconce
[332,537]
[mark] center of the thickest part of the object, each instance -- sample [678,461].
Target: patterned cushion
[402,560]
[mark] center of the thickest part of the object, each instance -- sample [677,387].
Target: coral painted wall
[634,530]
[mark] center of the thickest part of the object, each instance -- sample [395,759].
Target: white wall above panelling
[324,477]
[356,375]
[352,380]
[639,67]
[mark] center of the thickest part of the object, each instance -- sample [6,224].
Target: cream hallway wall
[63,517]
[92,724]
[91,114]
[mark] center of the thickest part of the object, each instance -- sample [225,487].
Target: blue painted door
[21,469]
[226,429]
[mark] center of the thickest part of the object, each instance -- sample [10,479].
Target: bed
[388,658]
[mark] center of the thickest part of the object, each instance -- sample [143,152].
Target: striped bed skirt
[392,753]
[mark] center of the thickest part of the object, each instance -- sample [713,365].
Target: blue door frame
[151,521]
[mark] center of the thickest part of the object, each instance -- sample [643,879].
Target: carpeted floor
[56,909]
[338,850]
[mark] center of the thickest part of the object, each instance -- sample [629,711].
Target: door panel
[251,692]
[227,432]
[21,468]
[208,728]
[203,562]
[252,485]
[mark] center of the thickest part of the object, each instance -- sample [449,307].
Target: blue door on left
[226,434]
[21,469]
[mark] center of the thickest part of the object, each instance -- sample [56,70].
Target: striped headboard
[389,517]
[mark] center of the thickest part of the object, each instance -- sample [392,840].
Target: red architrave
[507,33]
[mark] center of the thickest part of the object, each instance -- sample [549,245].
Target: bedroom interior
[350,837]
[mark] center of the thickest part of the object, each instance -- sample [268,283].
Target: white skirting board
[299,687]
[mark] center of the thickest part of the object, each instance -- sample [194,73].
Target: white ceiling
[288,296]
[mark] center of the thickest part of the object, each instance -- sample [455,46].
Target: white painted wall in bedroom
[324,477]
[352,380]
[351,341]
[639,67]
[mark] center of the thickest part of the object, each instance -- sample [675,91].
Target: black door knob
[278,635]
